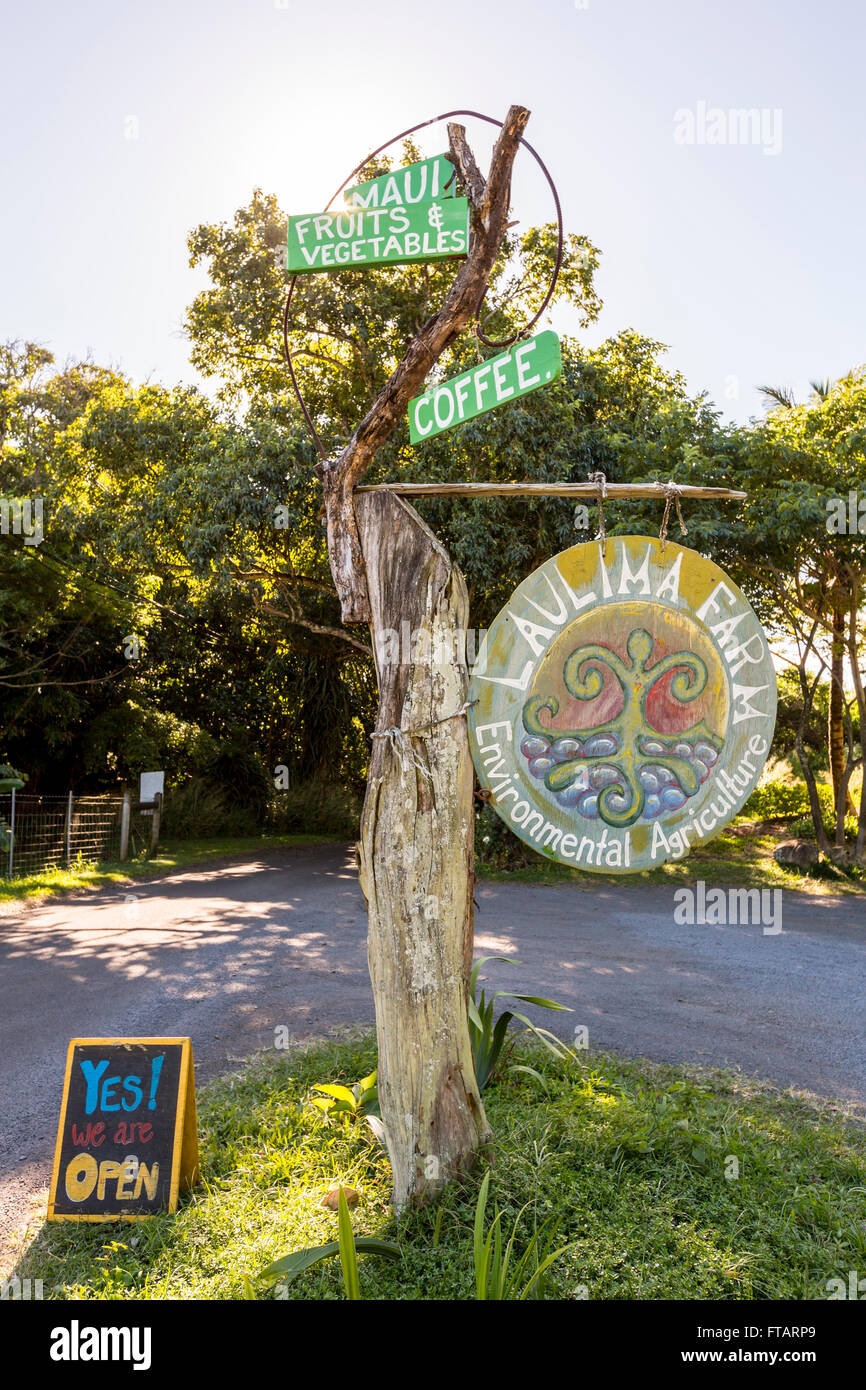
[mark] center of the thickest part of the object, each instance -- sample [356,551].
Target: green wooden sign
[624,702]
[355,237]
[523,368]
[414,183]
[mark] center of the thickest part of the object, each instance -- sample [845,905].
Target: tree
[364,344]
[361,341]
[802,562]
[782,398]
[160,515]
[417,828]
[57,659]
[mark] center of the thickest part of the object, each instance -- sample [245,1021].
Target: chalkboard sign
[127,1139]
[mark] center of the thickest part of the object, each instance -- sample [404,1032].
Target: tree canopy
[181,601]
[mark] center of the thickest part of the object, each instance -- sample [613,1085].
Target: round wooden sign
[625,701]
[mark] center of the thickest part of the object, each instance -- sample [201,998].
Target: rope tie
[399,738]
[601,484]
[399,741]
[673,492]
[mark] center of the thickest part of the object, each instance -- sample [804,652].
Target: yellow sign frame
[184,1156]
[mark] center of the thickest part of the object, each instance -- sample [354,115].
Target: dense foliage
[179,611]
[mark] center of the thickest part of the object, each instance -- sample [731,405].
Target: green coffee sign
[523,368]
[415,183]
[355,237]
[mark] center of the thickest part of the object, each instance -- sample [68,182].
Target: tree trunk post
[417,826]
[417,853]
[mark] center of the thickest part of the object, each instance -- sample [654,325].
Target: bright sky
[126,124]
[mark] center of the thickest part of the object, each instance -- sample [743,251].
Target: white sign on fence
[150,784]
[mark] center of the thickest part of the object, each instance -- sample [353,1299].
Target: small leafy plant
[352,1102]
[488,1038]
[360,1101]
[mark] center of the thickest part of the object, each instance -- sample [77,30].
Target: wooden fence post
[125,817]
[157,816]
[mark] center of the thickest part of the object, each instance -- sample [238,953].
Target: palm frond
[778,396]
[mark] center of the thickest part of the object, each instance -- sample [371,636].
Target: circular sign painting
[624,705]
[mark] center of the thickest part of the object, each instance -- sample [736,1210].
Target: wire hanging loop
[476,338]
[673,492]
[601,484]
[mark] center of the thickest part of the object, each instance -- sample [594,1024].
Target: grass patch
[629,1158]
[173,854]
[742,855]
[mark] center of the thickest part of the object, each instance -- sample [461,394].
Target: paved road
[227,954]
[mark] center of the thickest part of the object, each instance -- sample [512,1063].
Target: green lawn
[632,1161]
[173,854]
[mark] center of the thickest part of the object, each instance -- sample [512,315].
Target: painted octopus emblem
[624,769]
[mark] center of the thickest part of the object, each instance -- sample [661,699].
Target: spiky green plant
[499,1275]
[348,1246]
[488,1037]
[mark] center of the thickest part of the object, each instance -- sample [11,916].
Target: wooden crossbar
[612,491]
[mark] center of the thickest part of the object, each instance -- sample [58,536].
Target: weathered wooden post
[125,816]
[417,852]
[154,825]
[12,834]
[417,824]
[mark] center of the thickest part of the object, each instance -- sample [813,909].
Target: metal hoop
[488,342]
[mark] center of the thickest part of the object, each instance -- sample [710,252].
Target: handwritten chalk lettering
[91,1136]
[103,1094]
[429,231]
[127,1131]
[512,374]
[84,1175]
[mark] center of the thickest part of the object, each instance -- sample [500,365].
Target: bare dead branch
[321,628]
[464,162]
[464,298]
[281,575]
